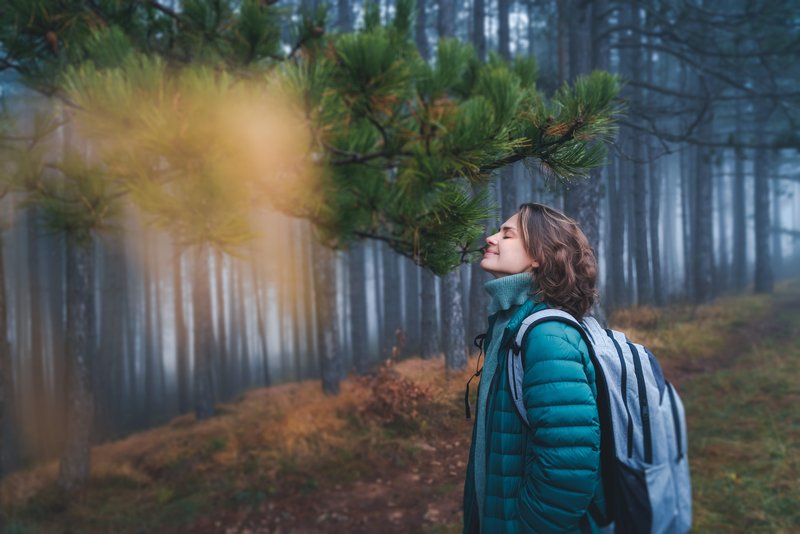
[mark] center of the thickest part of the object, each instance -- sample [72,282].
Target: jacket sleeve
[562,475]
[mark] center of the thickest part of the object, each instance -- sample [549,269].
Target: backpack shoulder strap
[515,368]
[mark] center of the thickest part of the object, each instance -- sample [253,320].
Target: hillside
[389,453]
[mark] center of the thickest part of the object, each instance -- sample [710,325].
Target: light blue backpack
[643,430]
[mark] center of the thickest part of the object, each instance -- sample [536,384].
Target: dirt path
[423,498]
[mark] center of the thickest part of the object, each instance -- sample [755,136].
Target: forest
[208,203]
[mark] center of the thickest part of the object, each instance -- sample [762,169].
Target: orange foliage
[394,397]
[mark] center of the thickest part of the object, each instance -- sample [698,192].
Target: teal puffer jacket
[541,480]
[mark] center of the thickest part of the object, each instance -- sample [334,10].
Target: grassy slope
[290,457]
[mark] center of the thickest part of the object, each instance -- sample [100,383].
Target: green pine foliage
[398,144]
[73,195]
[403,140]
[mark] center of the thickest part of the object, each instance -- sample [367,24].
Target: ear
[535,264]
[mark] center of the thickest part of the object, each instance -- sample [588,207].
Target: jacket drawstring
[478,342]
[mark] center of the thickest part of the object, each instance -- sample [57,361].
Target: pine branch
[163,9]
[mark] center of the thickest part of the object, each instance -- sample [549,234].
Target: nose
[491,239]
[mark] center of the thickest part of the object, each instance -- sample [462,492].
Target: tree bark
[644,287]
[655,225]
[6,383]
[477,304]
[531,32]
[392,327]
[446,19]
[39,415]
[413,340]
[508,196]
[721,278]
[203,335]
[358,310]
[582,199]
[739,266]
[223,346]
[777,237]
[479,28]
[260,304]
[504,29]
[345,15]
[702,246]
[616,238]
[764,280]
[327,337]
[430,334]
[455,353]
[76,457]
[421,30]
[181,334]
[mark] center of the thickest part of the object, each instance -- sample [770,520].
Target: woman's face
[505,253]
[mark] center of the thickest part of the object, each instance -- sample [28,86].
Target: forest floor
[388,454]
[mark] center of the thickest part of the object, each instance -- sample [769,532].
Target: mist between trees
[700,194]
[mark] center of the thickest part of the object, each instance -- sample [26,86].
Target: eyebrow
[507,228]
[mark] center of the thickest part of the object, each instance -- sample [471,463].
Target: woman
[540,480]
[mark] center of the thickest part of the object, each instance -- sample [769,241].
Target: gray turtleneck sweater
[507,293]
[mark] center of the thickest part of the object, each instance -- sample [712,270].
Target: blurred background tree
[201,116]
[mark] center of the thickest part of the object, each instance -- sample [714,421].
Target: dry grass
[736,362]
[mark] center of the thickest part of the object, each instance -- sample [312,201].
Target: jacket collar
[527,308]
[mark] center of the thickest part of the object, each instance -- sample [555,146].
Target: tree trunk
[655,225]
[668,249]
[455,353]
[345,15]
[644,287]
[776,225]
[327,337]
[763,276]
[393,327]
[702,246]
[358,310]
[687,188]
[380,318]
[76,457]
[110,380]
[479,28]
[223,349]
[529,5]
[721,278]
[446,19]
[616,237]
[260,304]
[38,416]
[508,192]
[150,395]
[582,199]
[239,352]
[477,303]
[181,335]
[504,29]
[562,36]
[420,30]
[739,266]
[412,273]
[6,383]
[203,335]
[430,334]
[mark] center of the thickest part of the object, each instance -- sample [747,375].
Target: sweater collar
[508,291]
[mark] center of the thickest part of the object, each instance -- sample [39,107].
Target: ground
[389,453]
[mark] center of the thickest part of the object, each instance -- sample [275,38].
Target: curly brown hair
[567,271]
